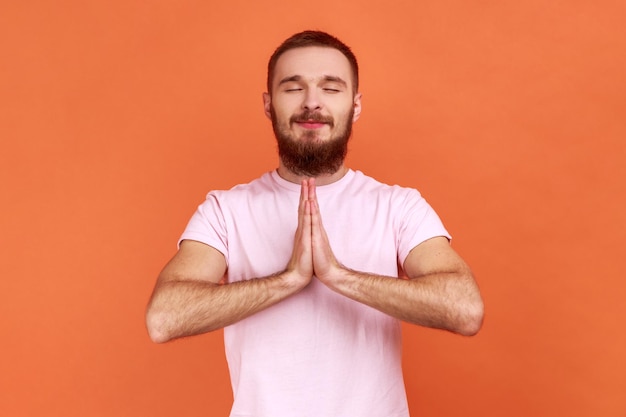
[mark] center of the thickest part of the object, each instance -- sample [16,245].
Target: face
[312,106]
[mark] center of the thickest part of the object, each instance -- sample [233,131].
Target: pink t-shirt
[316,353]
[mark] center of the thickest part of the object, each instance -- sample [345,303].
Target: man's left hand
[325,265]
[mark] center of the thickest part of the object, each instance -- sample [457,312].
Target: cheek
[277,114]
[344,118]
[282,112]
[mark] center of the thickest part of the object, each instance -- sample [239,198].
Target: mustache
[309,116]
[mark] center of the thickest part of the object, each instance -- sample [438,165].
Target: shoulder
[257,186]
[264,196]
[363,183]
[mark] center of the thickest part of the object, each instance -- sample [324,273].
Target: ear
[267,104]
[357,107]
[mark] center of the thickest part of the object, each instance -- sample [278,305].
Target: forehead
[312,63]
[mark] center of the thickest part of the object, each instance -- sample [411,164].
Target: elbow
[472,320]
[157,328]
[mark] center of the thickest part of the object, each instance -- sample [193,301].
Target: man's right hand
[188,298]
[299,271]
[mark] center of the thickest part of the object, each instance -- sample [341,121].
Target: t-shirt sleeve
[418,223]
[208,225]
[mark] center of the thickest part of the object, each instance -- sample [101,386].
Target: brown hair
[312,38]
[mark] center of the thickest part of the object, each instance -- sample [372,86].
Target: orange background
[117,117]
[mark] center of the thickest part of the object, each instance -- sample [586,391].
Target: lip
[311,124]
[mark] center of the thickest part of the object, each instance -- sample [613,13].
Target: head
[312,100]
[313,38]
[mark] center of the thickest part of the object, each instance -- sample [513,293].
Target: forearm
[185,308]
[449,301]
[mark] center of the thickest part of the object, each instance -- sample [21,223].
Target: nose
[311,100]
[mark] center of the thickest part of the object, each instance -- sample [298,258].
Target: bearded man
[311,310]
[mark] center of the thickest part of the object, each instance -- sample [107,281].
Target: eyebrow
[331,78]
[289,79]
[335,79]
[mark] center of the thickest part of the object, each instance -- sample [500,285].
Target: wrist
[291,281]
[337,277]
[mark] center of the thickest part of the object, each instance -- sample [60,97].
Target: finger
[301,260]
[323,257]
[304,195]
[315,208]
[317,226]
[316,219]
[304,220]
[312,192]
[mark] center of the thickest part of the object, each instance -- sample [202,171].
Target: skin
[189,299]
[314,79]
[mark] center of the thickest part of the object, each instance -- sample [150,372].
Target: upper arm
[433,256]
[194,261]
[451,280]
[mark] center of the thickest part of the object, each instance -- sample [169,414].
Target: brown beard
[308,157]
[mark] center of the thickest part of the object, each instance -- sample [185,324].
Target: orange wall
[117,117]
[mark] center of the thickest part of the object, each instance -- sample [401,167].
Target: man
[301,265]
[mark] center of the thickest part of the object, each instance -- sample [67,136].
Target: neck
[323,179]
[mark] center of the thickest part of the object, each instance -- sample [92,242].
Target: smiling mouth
[311,124]
[310,120]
